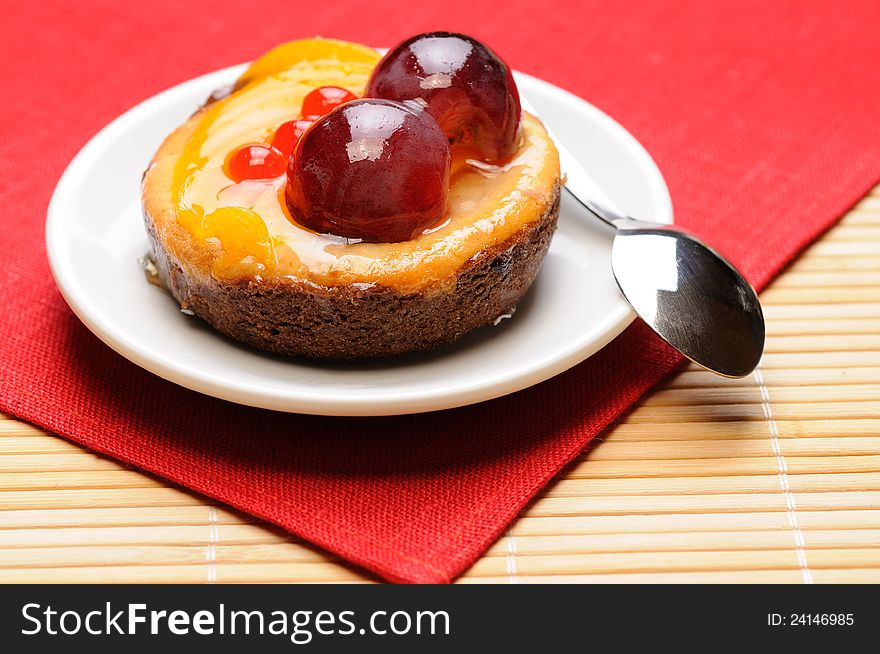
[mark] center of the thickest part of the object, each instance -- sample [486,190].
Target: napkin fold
[762,116]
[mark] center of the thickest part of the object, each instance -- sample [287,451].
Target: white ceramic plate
[95,236]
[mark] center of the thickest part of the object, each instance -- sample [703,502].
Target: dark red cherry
[371,169]
[466,87]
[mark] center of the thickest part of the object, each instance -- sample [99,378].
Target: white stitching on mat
[213,541]
[790,505]
[511,558]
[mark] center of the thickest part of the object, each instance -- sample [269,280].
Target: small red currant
[324,99]
[255,161]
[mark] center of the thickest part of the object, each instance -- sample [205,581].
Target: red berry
[372,169]
[255,161]
[285,137]
[464,85]
[324,99]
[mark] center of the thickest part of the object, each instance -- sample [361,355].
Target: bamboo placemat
[773,478]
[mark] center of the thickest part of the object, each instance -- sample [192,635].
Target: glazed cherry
[465,86]
[255,161]
[285,137]
[372,169]
[324,99]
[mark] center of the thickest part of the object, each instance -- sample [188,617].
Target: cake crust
[295,317]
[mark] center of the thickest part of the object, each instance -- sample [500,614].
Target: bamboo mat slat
[773,478]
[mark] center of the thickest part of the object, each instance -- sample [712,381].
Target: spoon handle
[578,182]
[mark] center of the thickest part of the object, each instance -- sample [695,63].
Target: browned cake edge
[295,317]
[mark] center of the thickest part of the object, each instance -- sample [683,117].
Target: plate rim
[322,401]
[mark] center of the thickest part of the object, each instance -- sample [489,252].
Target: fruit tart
[334,203]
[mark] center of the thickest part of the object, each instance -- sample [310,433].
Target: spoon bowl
[690,295]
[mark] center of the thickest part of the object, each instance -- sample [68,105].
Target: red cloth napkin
[763,116]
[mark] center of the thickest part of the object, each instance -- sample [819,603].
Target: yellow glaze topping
[249,220]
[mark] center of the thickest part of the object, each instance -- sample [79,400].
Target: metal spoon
[690,295]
